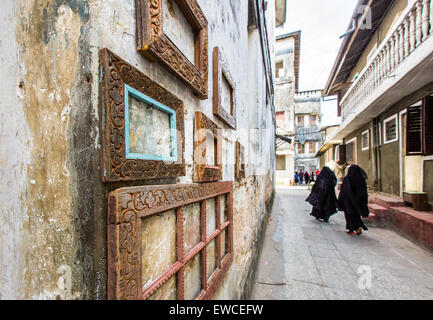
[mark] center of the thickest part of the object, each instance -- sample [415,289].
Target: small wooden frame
[156,46]
[221,72]
[128,207]
[204,172]
[120,80]
[240,166]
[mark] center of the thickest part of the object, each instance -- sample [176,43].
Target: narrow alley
[303,258]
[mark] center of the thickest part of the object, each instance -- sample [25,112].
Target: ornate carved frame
[156,46]
[202,171]
[240,166]
[116,75]
[127,207]
[220,71]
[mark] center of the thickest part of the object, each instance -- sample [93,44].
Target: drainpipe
[265,51]
[377,155]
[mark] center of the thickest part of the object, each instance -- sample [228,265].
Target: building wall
[52,200]
[391,168]
[364,158]
[284,102]
[307,104]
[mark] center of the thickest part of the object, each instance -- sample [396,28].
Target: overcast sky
[322,22]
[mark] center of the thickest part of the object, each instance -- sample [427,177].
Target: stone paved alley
[303,258]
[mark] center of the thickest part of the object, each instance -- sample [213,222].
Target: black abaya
[353,198]
[322,196]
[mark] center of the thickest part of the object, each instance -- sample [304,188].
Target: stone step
[386,201]
[418,226]
[378,215]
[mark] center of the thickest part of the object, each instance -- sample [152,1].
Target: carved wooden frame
[156,46]
[202,171]
[220,71]
[126,209]
[116,75]
[240,165]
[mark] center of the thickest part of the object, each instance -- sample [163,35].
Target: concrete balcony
[402,66]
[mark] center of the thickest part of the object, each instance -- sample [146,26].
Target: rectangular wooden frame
[220,71]
[116,76]
[240,166]
[126,209]
[156,46]
[202,171]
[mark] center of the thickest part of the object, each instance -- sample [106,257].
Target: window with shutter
[300,121]
[365,141]
[312,147]
[414,131]
[428,125]
[301,148]
[281,163]
[390,132]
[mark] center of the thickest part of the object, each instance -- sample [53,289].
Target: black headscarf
[322,196]
[353,198]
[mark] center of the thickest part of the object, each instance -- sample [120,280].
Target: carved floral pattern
[118,72]
[153,44]
[220,71]
[127,206]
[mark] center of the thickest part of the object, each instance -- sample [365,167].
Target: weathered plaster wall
[284,101]
[52,201]
[45,237]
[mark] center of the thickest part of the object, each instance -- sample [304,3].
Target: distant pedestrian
[312,176]
[307,177]
[322,196]
[296,178]
[353,199]
[317,172]
[301,177]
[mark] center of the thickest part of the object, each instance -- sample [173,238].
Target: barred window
[301,148]
[312,147]
[300,121]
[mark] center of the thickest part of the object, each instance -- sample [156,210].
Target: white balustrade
[413,30]
[431,16]
[418,6]
[425,19]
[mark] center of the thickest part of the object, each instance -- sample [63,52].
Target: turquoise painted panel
[150,128]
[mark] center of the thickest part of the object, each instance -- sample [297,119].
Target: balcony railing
[413,29]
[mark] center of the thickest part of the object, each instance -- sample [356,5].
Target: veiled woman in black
[322,196]
[353,199]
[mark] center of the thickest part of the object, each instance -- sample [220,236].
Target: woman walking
[322,196]
[307,177]
[353,199]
